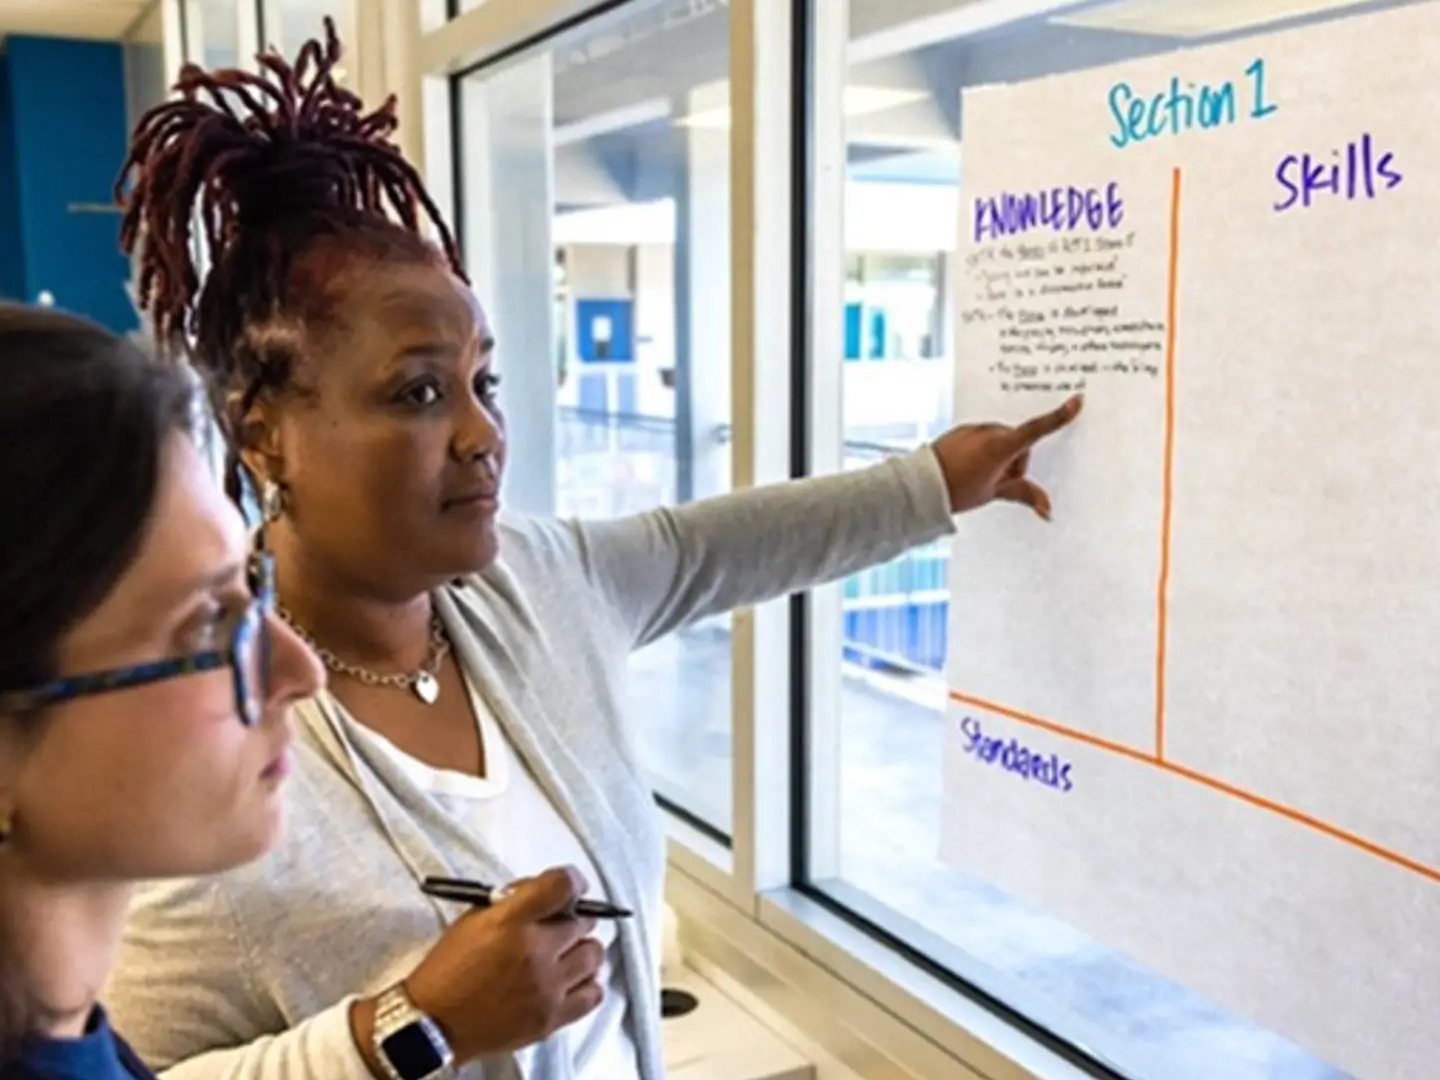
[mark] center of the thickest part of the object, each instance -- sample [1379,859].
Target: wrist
[936,463]
[362,1030]
[431,1005]
[399,1040]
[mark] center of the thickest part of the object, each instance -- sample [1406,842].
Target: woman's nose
[295,671]
[477,432]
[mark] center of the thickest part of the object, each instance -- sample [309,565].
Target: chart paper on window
[1199,715]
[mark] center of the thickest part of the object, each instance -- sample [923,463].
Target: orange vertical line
[1167,501]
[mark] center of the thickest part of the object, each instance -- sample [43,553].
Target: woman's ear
[15,743]
[257,437]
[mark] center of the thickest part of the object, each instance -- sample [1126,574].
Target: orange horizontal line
[1260,802]
[1302,818]
[1056,729]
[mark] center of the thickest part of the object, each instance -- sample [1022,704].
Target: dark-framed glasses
[247,655]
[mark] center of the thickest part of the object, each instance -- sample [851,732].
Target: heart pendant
[426,687]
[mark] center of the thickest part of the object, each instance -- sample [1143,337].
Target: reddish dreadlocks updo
[288,179]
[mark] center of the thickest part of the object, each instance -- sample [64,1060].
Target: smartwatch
[409,1044]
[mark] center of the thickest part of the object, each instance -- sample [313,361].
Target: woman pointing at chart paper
[474,726]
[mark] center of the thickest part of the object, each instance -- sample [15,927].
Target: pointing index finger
[1047,424]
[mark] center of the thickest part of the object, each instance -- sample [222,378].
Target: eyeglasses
[247,657]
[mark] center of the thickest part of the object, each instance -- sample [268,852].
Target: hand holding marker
[480,895]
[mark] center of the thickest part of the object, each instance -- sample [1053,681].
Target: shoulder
[540,558]
[130,1061]
[98,1053]
[540,542]
[166,912]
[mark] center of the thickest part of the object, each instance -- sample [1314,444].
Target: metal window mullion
[761,38]
[825,418]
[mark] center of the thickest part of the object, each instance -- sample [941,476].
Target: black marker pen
[477,894]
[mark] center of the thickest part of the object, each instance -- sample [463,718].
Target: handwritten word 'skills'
[1360,171]
[1048,770]
[1139,115]
[1060,209]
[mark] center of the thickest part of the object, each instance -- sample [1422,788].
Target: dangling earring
[272,501]
[272,507]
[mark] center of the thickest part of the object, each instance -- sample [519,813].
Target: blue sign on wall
[874,347]
[605,331]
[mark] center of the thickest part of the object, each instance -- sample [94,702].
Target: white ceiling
[1193,20]
[70,18]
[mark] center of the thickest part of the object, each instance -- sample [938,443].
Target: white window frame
[174,40]
[855,1006]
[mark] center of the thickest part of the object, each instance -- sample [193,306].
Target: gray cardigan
[251,974]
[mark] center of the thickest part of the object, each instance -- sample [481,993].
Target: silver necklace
[421,682]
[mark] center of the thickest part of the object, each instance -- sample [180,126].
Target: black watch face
[411,1053]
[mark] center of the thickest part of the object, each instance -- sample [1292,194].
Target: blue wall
[12,254]
[66,115]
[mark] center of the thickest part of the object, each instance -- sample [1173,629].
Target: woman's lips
[483,501]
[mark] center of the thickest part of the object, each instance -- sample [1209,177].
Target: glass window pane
[290,23]
[211,32]
[146,80]
[636,150]
[909,65]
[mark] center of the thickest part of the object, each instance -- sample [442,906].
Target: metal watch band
[394,1012]
[394,1004]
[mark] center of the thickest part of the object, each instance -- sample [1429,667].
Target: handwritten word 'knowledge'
[1180,108]
[1061,209]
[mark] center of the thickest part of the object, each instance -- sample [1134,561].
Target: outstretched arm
[661,570]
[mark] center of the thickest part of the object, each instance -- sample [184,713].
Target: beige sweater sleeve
[661,570]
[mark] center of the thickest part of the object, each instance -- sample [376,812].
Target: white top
[509,813]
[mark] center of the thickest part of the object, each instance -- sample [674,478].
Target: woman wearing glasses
[143,685]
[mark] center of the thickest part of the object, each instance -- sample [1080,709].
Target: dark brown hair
[84,418]
[279,169]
